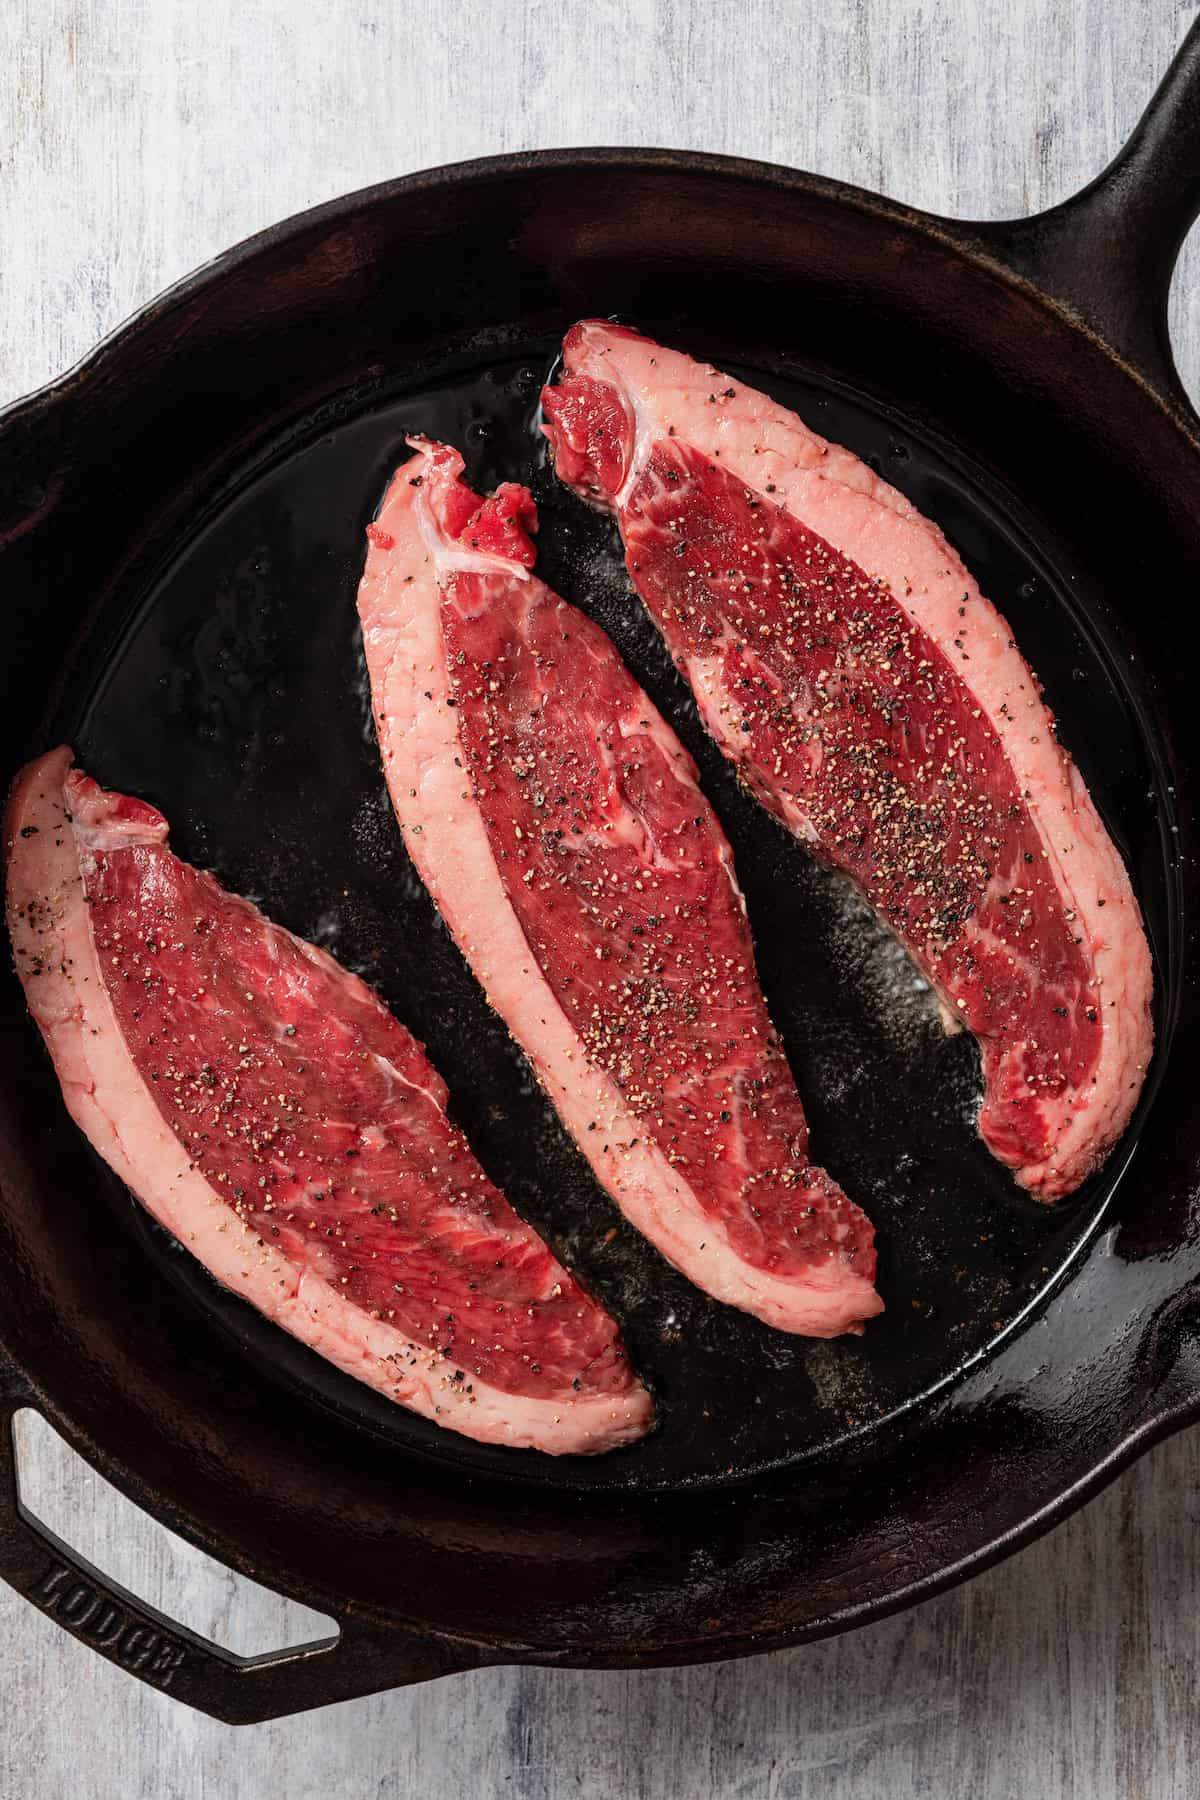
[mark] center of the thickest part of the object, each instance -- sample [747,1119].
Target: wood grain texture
[137,138]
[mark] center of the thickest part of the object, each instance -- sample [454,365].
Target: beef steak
[265,1107]
[873,700]
[557,821]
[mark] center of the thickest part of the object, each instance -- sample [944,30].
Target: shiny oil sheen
[234,697]
[180,532]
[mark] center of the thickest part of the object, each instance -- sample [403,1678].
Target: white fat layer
[832,492]
[449,557]
[50,924]
[400,607]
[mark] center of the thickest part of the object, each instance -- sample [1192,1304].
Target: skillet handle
[1109,252]
[240,1690]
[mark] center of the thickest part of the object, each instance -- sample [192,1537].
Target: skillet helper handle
[240,1690]
[1109,252]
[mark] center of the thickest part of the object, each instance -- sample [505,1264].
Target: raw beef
[875,702]
[266,1107]
[557,822]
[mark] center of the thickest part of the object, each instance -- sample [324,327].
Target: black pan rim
[978,243]
[681,1652]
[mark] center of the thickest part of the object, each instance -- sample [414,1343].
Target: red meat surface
[873,700]
[558,823]
[268,1109]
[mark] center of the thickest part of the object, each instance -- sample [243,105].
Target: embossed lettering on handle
[153,1654]
[361,1659]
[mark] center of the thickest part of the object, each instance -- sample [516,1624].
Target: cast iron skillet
[181,520]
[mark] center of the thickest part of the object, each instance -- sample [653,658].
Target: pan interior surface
[232,693]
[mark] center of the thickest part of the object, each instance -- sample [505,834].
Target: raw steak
[556,820]
[875,702]
[266,1107]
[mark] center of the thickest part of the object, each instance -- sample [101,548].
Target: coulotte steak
[558,824]
[876,703]
[263,1104]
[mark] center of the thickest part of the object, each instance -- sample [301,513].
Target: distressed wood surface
[137,138]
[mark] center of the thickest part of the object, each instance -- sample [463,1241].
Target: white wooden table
[137,138]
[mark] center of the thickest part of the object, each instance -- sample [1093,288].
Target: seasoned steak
[873,700]
[557,821]
[265,1106]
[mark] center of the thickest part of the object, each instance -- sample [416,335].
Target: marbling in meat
[874,701]
[558,824]
[266,1107]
